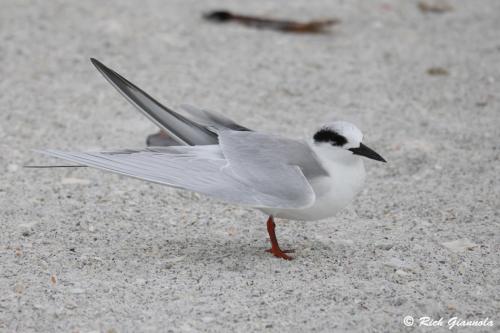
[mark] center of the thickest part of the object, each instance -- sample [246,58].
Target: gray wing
[249,152]
[193,130]
[272,164]
[202,169]
[180,128]
[211,118]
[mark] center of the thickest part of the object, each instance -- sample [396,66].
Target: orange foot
[277,252]
[275,248]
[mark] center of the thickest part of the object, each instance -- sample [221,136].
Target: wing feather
[271,164]
[202,169]
[181,129]
[211,118]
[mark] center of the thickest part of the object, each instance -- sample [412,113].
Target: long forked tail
[180,128]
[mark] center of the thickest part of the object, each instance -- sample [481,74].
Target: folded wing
[262,158]
[202,169]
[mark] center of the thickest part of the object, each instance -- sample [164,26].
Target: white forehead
[348,130]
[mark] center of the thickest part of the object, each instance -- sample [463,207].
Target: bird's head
[344,135]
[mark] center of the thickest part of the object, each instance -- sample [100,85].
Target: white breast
[333,192]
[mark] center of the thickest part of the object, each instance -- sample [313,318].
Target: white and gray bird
[213,155]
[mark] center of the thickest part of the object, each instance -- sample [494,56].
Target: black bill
[363,150]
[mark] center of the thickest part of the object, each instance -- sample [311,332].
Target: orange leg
[275,248]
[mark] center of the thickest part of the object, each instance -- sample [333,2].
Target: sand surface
[86,251]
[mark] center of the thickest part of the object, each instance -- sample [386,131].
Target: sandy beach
[87,251]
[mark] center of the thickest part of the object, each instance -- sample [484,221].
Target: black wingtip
[110,75]
[99,65]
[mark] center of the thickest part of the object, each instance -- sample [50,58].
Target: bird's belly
[332,195]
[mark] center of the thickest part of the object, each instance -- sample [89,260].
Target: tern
[213,155]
